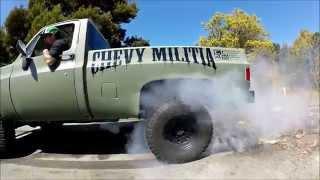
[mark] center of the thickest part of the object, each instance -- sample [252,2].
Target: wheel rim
[180,130]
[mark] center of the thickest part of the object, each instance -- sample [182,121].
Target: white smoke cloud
[136,141]
[238,125]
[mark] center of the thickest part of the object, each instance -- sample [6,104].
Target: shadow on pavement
[73,142]
[73,139]
[76,141]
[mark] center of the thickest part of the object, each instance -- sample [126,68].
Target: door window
[66,32]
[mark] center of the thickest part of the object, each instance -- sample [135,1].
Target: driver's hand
[48,59]
[45,51]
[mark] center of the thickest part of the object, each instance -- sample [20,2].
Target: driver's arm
[53,55]
[48,59]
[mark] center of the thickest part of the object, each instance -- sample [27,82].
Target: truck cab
[57,94]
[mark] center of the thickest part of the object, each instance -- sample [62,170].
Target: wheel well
[146,88]
[162,89]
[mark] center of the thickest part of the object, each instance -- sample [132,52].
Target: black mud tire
[177,133]
[7,138]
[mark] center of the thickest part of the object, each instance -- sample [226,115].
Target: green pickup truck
[96,83]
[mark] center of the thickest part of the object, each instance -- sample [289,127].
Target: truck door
[41,93]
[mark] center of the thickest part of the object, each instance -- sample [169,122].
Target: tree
[16,26]
[45,18]
[135,41]
[108,15]
[104,21]
[303,43]
[276,48]
[4,55]
[237,30]
[305,59]
[316,39]
[315,60]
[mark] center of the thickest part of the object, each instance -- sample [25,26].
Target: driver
[54,46]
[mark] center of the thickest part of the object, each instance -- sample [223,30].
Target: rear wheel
[177,133]
[7,138]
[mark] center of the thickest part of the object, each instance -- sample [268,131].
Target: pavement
[92,152]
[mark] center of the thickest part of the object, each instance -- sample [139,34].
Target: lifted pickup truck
[95,83]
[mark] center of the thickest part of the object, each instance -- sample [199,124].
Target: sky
[179,22]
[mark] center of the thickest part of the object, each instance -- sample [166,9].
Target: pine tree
[108,15]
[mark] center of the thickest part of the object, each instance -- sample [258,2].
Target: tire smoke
[237,124]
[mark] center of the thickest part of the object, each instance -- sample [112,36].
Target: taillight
[248,73]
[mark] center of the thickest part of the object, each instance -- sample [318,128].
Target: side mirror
[26,63]
[21,47]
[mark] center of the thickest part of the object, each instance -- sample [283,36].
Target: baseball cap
[51,30]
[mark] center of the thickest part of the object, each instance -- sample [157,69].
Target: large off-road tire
[178,133]
[7,138]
